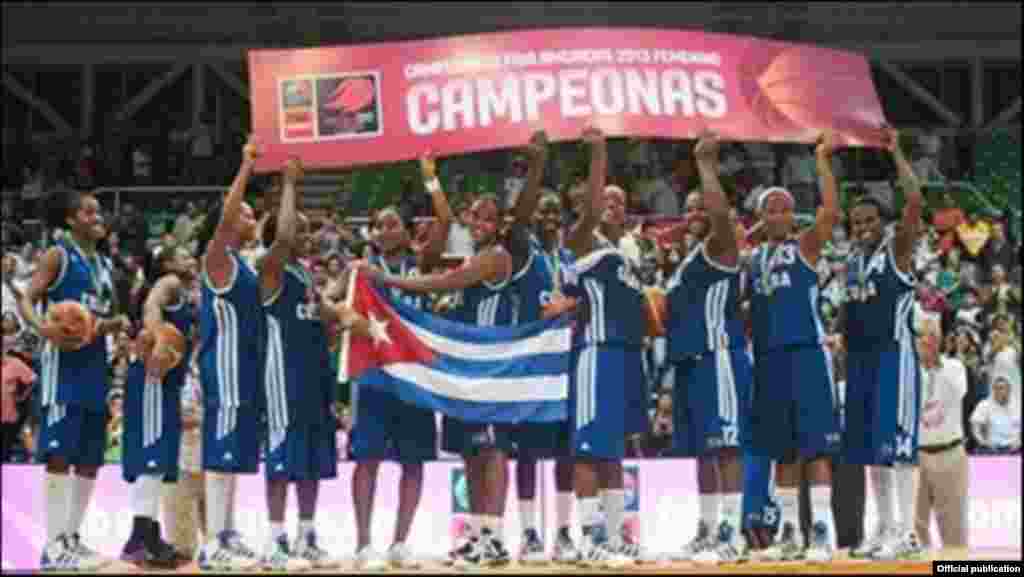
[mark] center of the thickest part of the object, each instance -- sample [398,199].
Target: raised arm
[581,237]
[526,204]
[272,265]
[165,292]
[721,245]
[813,240]
[437,236]
[910,224]
[218,265]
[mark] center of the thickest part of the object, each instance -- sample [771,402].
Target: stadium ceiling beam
[38,104]
[1004,116]
[920,92]
[44,54]
[151,90]
[230,79]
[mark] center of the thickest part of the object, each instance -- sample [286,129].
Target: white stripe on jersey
[276,384]
[815,314]
[56,414]
[727,403]
[152,413]
[50,368]
[714,312]
[904,311]
[906,389]
[227,352]
[586,387]
[596,329]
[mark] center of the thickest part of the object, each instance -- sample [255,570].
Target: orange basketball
[166,339]
[656,307]
[74,320]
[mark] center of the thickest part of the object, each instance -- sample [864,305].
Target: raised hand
[707,147]
[428,165]
[827,144]
[538,146]
[593,135]
[293,170]
[252,149]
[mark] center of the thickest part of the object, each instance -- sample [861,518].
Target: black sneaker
[492,552]
[465,554]
[146,556]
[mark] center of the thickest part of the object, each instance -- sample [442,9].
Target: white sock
[276,530]
[81,495]
[218,495]
[473,525]
[527,514]
[614,501]
[305,528]
[904,488]
[146,496]
[881,491]
[499,527]
[732,512]
[563,508]
[709,506]
[821,510]
[58,498]
[491,524]
[789,504]
[590,511]
[229,519]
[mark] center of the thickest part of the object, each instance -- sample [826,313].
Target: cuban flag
[477,374]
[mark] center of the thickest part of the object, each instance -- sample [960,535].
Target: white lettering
[708,85]
[606,91]
[572,89]
[676,89]
[418,123]
[457,101]
[538,88]
[499,103]
[643,90]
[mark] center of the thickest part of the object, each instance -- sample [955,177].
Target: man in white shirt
[943,461]
[996,421]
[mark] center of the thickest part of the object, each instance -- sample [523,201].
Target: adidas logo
[229,457]
[54,444]
[279,467]
[151,464]
[585,446]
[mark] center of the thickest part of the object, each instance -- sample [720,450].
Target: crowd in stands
[967,266]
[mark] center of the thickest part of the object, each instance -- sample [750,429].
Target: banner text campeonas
[344,106]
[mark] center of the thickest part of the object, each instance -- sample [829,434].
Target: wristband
[433,185]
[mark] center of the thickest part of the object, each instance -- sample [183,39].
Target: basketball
[656,306]
[168,341]
[74,320]
[352,95]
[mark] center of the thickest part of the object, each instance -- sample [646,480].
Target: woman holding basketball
[152,405]
[76,283]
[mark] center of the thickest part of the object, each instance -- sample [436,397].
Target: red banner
[366,104]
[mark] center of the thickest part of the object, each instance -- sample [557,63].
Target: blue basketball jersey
[542,277]
[490,305]
[703,307]
[406,267]
[604,282]
[880,300]
[232,339]
[298,376]
[79,377]
[182,316]
[784,296]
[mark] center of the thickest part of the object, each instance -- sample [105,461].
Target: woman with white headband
[794,417]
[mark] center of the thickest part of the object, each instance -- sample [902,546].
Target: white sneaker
[565,550]
[899,546]
[400,557]
[701,542]
[307,548]
[217,555]
[870,544]
[233,541]
[786,548]
[278,556]
[727,548]
[531,550]
[368,559]
[602,556]
[86,558]
[820,549]
[57,556]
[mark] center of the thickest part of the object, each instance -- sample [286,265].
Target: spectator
[1004,359]
[16,380]
[995,422]
[115,425]
[659,440]
[998,252]
[1004,298]
[460,242]
[973,236]
[185,504]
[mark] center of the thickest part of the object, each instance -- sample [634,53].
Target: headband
[763,197]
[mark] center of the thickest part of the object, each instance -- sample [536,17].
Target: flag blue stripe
[480,412]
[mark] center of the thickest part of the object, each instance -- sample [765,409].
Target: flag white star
[379,331]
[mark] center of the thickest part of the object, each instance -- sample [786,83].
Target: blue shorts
[597,400]
[308,452]
[759,507]
[151,441]
[710,402]
[74,433]
[231,439]
[539,440]
[793,404]
[388,429]
[636,392]
[883,392]
[469,439]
